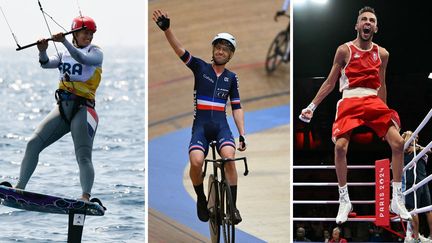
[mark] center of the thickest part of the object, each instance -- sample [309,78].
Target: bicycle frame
[287,37]
[218,202]
[287,51]
[279,49]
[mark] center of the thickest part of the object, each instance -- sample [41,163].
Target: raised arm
[382,92]
[163,21]
[93,57]
[44,60]
[339,61]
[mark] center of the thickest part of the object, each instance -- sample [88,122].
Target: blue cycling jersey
[210,97]
[211,92]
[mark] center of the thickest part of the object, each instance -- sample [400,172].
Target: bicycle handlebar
[280,13]
[223,161]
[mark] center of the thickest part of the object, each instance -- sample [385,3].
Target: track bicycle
[220,202]
[279,50]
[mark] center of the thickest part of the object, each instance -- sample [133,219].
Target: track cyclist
[213,85]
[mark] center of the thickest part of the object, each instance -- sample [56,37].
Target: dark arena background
[403,29]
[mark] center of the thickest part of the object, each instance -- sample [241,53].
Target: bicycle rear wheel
[276,51]
[213,205]
[227,213]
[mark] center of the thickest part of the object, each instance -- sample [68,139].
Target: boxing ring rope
[305,167]
[332,184]
[357,219]
[412,165]
[422,210]
[420,184]
[372,218]
[332,202]
[420,127]
[414,187]
[355,167]
[354,217]
[419,155]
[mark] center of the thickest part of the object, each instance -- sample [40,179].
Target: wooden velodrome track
[195,23]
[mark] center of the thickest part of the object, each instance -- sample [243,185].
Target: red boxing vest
[362,69]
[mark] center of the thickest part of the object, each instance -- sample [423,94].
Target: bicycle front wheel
[276,51]
[227,213]
[213,206]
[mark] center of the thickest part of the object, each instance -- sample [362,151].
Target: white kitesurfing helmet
[227,37]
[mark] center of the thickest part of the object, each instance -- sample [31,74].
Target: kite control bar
[49,39]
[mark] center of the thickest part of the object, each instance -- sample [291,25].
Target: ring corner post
[382,192]
[76,225]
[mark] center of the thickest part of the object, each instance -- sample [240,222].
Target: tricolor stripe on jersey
[235,101]
[208,103]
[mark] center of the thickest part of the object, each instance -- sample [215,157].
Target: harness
[63,95]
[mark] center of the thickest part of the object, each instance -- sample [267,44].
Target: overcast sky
[119,23]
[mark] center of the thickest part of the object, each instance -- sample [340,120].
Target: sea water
[26,97]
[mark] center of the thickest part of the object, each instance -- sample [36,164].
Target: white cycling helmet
[225,36]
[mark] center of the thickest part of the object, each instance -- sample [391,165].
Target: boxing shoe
[345,207]
[410,239]
[397,206]
[424,239]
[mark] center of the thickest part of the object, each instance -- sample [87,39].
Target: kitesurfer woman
[80,66]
